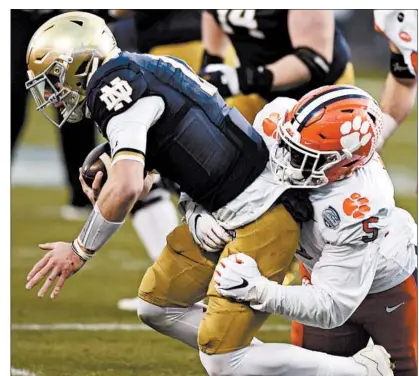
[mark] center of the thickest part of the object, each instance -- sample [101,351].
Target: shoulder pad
[114,88]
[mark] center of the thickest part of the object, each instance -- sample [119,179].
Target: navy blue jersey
[201,144]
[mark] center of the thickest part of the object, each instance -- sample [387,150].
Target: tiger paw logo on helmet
[355,134]
[356,206]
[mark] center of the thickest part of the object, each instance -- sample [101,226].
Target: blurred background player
[280,53]
[400,27]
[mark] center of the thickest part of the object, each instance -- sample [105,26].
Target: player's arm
[214,40]
[312,36]
[127,133]
[340,281]
[398,96]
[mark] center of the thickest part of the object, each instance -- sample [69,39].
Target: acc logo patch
[331,218]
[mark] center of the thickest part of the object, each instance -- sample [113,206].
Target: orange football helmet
[328,134]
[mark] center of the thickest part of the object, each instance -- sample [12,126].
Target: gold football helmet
[62,55]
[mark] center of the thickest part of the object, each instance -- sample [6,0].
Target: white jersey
[358,215]
[358,243]
[400,26]
[259,196]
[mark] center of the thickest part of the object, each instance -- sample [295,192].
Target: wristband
[208,59]
[96,231]
[255,80]
[80,252]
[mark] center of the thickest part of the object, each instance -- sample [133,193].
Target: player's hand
[206,231]
[93,192]
[223,77]
[238,277]
[59,262]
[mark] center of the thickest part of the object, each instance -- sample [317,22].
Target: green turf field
[90,297]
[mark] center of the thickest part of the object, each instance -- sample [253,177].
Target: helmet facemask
[298,165]
[49,88]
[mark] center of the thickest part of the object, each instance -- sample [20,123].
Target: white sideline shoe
[376,359]
[128,304]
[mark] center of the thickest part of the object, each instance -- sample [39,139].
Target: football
[99,159]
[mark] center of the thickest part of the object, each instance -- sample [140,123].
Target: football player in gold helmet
[159,106]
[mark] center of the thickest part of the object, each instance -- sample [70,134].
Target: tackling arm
[340,281]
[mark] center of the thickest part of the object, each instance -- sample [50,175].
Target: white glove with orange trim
[238,277]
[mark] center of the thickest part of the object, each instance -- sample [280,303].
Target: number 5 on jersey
[372,232]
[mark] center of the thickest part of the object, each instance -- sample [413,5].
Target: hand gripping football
[99,159]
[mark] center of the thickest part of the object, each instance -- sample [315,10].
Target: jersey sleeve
[127,132]
[400,27]
[340,281]
[113,89]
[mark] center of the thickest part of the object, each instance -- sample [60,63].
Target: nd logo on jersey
[114,96]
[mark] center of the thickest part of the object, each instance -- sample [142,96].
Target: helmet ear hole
[82,68]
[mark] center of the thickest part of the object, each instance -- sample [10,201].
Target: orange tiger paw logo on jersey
[356,206]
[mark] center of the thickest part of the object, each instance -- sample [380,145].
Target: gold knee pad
[272,241]
[181,274]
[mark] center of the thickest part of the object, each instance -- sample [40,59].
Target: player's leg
[171,288]
[280,359]
[271,240]
[173,285]
[390,317]
[345,340]
[226,331]
[153,218]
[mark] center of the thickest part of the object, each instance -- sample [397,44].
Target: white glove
[238,277]
[223,77]
[205,229]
